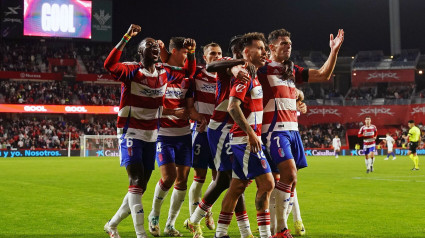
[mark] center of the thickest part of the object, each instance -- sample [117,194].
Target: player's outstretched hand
[336,43]
[189,44]
[254,143]
[133,30]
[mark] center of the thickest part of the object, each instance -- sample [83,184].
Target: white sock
[243,224]
[195,192]
[367,163]
[136,207]
[177,199]
[290,205]
[372,161]
[263,221]
[200,212]
[223,223]
[282,201]
[272,208]
[158,198]
[121,214]
[296,213]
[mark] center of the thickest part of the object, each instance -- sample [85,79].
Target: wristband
[191,51]
[126,37]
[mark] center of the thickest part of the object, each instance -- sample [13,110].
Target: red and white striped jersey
[220,116]
[280,110]
[141,97]
[368,133]
[251,95]
[179,87]
[205,83]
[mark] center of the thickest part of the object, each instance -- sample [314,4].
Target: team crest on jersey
[281,153]
[264,164]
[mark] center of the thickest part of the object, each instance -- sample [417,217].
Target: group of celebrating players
[245,113]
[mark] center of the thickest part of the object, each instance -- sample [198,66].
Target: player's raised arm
[112,62]
[223,65]
[164,54]
[325,72]
[190,64]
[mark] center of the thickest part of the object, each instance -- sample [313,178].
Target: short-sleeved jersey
[251,95]
[179,87]
[220,116]
[414,134]
[141,97]
[368,133]
[205,88]
[280,95]
[336,142]
[390,141]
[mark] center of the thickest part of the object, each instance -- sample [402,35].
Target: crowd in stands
[321,136]
[36,133]
[372,92]
[58,92]
[32,56]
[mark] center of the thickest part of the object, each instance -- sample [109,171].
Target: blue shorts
[202,157]
[284,145]
[272,164]
[174,149]
[247,165]
[369,150]
[220,148]
[133,151]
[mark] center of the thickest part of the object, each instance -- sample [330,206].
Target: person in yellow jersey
[414,136]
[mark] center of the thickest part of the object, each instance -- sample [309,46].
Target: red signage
[30,75]
[359,77]
[22,108]
[101,78]
[380,115]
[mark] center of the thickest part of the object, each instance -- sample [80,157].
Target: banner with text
[22,108]
[330,152]
[380,115]
[359,77]
[30,75]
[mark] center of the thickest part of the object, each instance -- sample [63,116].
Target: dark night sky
[365,22]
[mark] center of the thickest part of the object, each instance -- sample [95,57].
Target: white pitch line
[394,180]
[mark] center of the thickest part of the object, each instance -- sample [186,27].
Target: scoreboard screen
[58,18]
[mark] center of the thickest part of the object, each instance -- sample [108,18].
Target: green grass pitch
[74,197]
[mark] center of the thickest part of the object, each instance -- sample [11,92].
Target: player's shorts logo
[130,151]
[264,164]
[281,153]
[160,157]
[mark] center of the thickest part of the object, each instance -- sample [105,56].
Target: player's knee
[169,179]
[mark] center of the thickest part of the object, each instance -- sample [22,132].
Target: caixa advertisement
[101,153]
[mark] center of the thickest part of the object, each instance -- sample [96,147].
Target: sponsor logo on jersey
[152,92]
[208,88]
